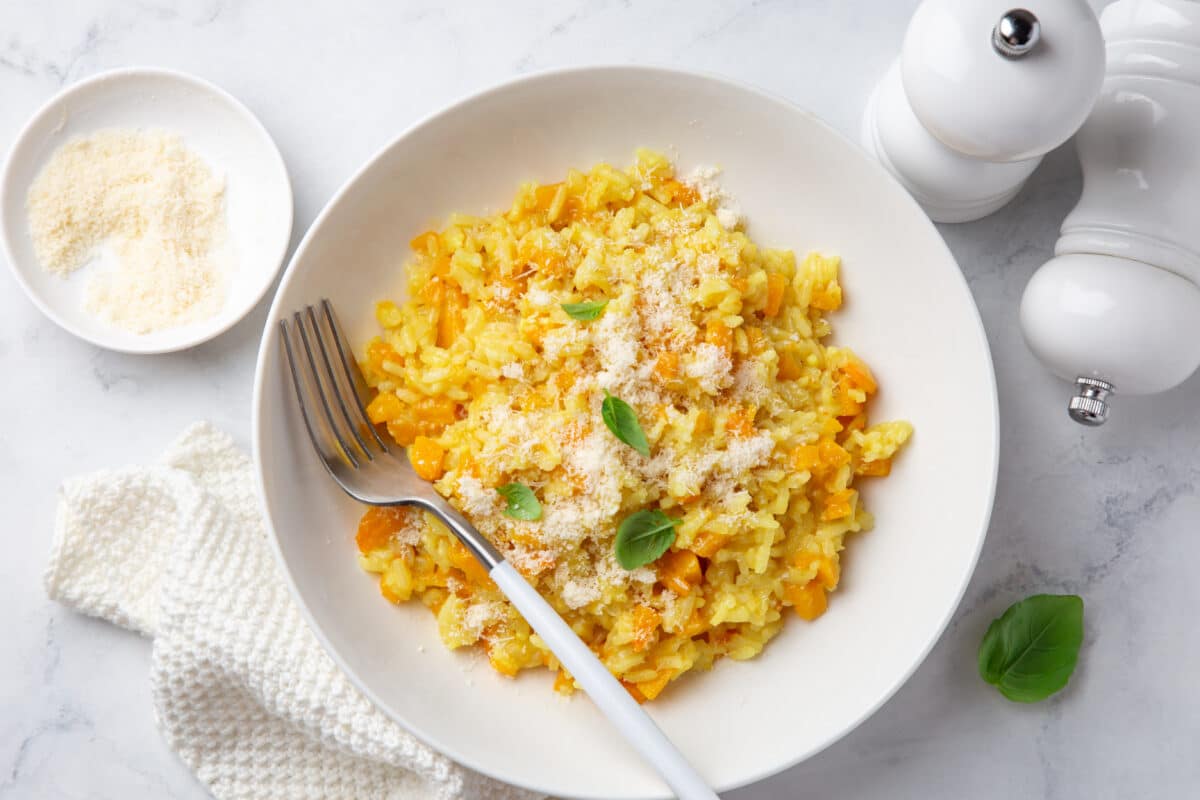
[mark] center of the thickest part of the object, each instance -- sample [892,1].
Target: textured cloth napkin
[242,690]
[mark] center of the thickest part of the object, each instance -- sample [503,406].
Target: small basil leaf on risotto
[644,536]
[622,420]
[1030,651]
[522,504]
[585,312]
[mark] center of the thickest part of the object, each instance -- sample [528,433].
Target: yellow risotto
[634,285]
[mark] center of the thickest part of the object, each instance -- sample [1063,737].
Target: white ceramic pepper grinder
[1118,308]
[980,92]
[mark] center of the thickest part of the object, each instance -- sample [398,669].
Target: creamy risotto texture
[636,285]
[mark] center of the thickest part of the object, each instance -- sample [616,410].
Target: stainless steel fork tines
[329,386]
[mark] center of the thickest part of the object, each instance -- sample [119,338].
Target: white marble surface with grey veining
[1112,514]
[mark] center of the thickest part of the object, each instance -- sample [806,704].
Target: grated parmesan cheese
[741,455]
[481,615]
[150,211]
[617,348]
[410,532]
[750,382]
[539,297]
[595,461]
[561,340]
[711,368]
[704,180]
[477,500]
[577,594]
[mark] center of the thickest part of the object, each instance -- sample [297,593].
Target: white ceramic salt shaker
[1118,308]
[980,92]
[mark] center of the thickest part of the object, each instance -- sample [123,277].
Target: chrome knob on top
[1017,33]
[1089,406]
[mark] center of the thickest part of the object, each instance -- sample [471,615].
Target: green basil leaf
[522,504]
[644,536]
[622,420]
[585,312]
[1030,651]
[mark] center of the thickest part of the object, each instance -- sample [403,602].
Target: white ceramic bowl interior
[213,124]
[908,313]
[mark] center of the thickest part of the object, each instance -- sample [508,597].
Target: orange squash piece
[672,192]
[427,243]
[679,570]
[503,666]
[402,431]
[653,687]
[426,456]
[776,284]
[789,368]
[563,682]
[436,410]
[666,367]
[828,572]
[377,525]
[544,261]
[879,468]
[451,309]
[808,601]
[805,457]
[832,454]
[385,407]
[847,406]
[740,422]
[544,195]
[827,298]
[433,291]
[461,558]
[860,377]
[645,622]
[388,594]
[707,543]
[379,351]
[634,692]
[719,334]
[838,505]
[685,195]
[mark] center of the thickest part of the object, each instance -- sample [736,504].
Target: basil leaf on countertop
[643,536]
[622,420]
[585,312]
[1030,651]
[522,504]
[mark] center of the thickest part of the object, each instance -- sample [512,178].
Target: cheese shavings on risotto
[757,430]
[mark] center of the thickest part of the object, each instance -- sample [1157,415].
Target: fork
[330,391]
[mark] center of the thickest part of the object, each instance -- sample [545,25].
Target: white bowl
[908,313]
[213,124]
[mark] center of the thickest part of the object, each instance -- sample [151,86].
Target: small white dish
[213,124]
[908,312]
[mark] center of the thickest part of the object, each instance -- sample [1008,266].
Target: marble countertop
[1112,513]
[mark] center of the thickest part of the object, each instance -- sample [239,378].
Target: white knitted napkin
[242,690]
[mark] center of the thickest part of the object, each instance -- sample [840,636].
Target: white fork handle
[606,692]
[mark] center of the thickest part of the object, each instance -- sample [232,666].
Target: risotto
[628,293]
